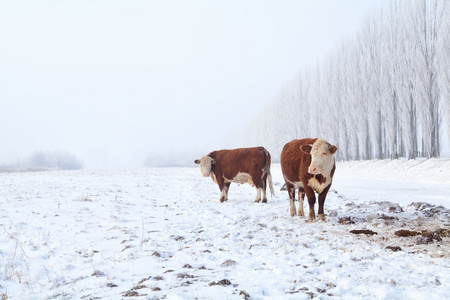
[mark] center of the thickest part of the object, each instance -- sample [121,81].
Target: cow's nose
[312,170]
[206,175]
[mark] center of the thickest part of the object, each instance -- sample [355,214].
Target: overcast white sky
[115,81]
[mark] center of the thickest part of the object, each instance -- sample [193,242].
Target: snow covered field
[162,233]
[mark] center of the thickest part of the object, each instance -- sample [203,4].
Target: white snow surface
[162,233]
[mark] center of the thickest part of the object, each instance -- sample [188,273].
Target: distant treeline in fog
[382,93]
[174,158]
[46,160]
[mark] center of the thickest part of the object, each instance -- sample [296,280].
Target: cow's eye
[323,154]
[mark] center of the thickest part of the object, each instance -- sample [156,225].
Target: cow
[309,165]
[243,165]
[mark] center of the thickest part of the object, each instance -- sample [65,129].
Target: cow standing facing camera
[308,165]
[244,165]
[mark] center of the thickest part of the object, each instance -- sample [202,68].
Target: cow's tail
[269,176]
[269,179]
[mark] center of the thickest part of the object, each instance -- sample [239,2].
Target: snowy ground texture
[162,233]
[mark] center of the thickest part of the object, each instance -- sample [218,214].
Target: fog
[122,83]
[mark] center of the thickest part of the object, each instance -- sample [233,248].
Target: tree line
[45,160]
[382,93]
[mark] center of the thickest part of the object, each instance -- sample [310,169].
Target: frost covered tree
[444,63]
[382,93]
[428,15]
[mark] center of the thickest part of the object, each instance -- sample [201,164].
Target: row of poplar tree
[382,93]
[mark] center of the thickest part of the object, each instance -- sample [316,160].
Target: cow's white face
[205,165]
[322,157]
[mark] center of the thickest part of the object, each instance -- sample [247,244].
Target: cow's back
[295,162]
[241,160]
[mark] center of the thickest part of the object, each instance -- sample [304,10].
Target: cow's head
[205,165]
[322,156]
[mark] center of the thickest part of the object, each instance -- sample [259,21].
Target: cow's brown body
[244,165]
[299,172]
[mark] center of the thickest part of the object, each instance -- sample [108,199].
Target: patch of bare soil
[394,248]
[363,231]
[222,282]
[419,228]
[405,232]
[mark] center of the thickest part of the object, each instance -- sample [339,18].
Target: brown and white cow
[244,165]
[308,165]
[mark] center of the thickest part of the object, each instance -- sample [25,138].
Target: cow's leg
[258,183]
[223,192]
[264,195]
[222,195]
[291,193]
[301,197]
[264,185]
[322,196]
[258,195]
[226,188]
[311,201]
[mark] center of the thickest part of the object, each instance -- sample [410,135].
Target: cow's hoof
[264,201]
[257,200]
[311,220]
[321,218]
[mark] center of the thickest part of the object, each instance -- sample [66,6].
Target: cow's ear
[332,149]
[197,161]
[306,148]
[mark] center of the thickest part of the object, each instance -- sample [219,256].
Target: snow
[162,233]
[401,181]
